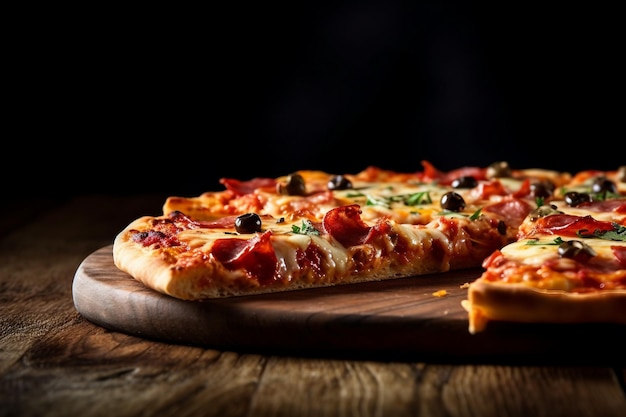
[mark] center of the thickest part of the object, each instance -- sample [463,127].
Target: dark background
[169,101]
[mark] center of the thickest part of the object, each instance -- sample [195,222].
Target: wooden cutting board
[394,319]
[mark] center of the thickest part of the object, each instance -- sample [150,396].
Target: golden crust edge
[516,302]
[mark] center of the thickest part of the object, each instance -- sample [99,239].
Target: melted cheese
[538,252]
[404,203]
[416,236]
[286,250]
[605,216]
[203,238]
[286,245]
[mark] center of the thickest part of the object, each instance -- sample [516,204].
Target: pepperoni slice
[247,187]
[226,222]
[617,206]
[514,210]
[570,225]
[620,254]
[345,224]
[256,256]
[446,178]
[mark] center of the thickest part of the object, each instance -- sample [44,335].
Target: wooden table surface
[55,362]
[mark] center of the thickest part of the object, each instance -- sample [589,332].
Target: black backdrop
[170,101]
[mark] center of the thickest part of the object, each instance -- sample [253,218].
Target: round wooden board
[399,318]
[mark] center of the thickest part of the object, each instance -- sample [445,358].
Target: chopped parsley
[539,201]
[374,201]
[307,228]
[476,214]
[557,241]
[618,233]
[413,199]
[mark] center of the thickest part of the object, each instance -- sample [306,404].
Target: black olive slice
[574,198]
[603,185]
[339,182]
[543,188]
[464,181]
[294,186]
[452,201]
[248,223]
[543,211]
[575,249]
[499,169]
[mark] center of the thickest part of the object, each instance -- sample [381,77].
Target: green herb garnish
[557,241]
[414,199]
[307,228]
[476,214]
[618,233]
[539,201]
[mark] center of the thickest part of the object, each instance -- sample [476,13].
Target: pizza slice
[568,265]
[312,228]
[248,254]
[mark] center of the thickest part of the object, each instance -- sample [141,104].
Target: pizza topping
[247,187]
[574,198]
[514,210]
[256,255]
[618,232]
[185,222]
[432,174]
[464,181]
[602,185]
[339,182]
[620,254]
[542,188]
[412,199]
[346,226]
[542,211]
[485,190]
[452,201]
[162,234]
[621,174]
[307,228]
[570,225]
[248,223]
[155,237]
[499,169]
[583,270]
[615,205]
[576,249]
[295,185]
[311,259]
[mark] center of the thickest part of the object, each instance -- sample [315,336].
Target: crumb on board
[466,285]
[440,293]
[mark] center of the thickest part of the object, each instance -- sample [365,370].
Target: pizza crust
[514,302]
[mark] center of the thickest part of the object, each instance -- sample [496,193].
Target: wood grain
[395,318]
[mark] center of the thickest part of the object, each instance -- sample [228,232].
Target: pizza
[567,264]
[313,229]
